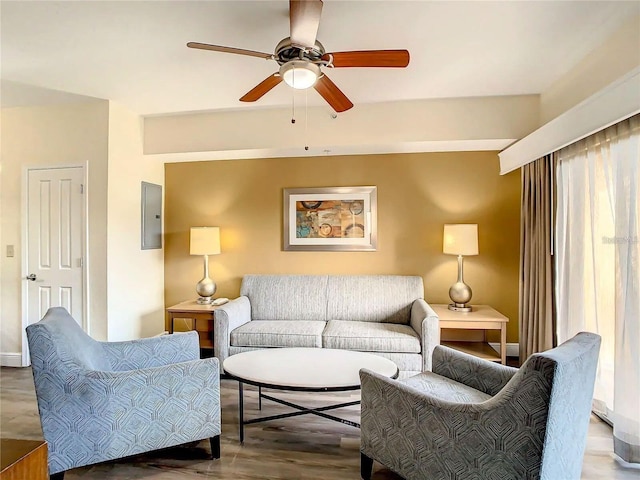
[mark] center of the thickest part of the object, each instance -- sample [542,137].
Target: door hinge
[80,262]
[82,188]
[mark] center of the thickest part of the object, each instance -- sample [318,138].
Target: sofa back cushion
[372,298]
[286,297]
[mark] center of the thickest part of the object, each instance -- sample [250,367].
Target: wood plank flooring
[305,447]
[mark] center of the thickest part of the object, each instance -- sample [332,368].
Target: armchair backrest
[58,343]
[576,362]
[558,384]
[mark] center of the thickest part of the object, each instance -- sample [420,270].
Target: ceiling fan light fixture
[300,74]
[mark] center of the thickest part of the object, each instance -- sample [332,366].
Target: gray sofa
[382,314]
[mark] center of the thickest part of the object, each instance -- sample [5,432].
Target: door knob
[31,277]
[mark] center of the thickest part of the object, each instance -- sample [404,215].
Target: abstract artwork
[331,218]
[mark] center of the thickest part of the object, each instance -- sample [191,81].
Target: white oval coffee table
[303,370]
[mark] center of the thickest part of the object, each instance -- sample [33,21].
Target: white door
[55,222]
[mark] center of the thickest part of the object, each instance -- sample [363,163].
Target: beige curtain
[598,267]
[537,315]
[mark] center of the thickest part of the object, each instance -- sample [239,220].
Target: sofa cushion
[445,389]
[370,337]
[278,333]
[372,298]
[286,297]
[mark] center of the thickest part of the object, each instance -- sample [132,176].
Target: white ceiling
[134,52]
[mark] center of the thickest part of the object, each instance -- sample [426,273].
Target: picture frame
[330,219]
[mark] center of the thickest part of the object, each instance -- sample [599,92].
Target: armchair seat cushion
[445,388]
[370,337]
[279,333]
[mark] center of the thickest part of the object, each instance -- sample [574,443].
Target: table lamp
[460,240]
[205,241]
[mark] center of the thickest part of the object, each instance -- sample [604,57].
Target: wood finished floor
[306,447]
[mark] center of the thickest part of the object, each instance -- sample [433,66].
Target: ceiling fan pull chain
[306,118]
[293,106]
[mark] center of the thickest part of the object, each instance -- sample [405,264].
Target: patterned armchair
[473,419]
[100,401]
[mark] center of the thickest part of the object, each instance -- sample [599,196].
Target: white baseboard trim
[10,360]
[513,349]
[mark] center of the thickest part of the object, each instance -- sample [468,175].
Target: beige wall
[126,284]
[417,195]
[135,276]
[408,126]
[71,134]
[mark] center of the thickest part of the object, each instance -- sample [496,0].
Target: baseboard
[10,360]
[513,349]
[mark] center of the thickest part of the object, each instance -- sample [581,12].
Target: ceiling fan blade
[369,58]
[239,51]
[263,87]
[304,18]
[332,94]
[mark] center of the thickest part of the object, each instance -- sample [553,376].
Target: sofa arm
[226,319]
[483,375]
[152,352]
[426,323]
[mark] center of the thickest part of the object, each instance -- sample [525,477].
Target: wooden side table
[22,459]
[190,315]
[479,320]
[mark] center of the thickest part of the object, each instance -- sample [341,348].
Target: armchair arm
[227,318]
[420,436]
[483,375]
[152,352]
[426,323]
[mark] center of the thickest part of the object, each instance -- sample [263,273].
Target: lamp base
[204,300]
[459,307]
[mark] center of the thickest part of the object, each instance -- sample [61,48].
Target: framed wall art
[330,219]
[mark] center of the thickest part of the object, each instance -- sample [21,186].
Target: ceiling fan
[301,58]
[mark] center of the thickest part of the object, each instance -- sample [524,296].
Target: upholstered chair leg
[215,446]
[57,476]
[366,466]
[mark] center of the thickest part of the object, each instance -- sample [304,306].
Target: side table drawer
[183,322]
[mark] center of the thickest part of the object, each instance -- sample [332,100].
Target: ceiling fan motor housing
[285,52]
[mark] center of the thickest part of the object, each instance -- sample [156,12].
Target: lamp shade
[204,241]
[460,239]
